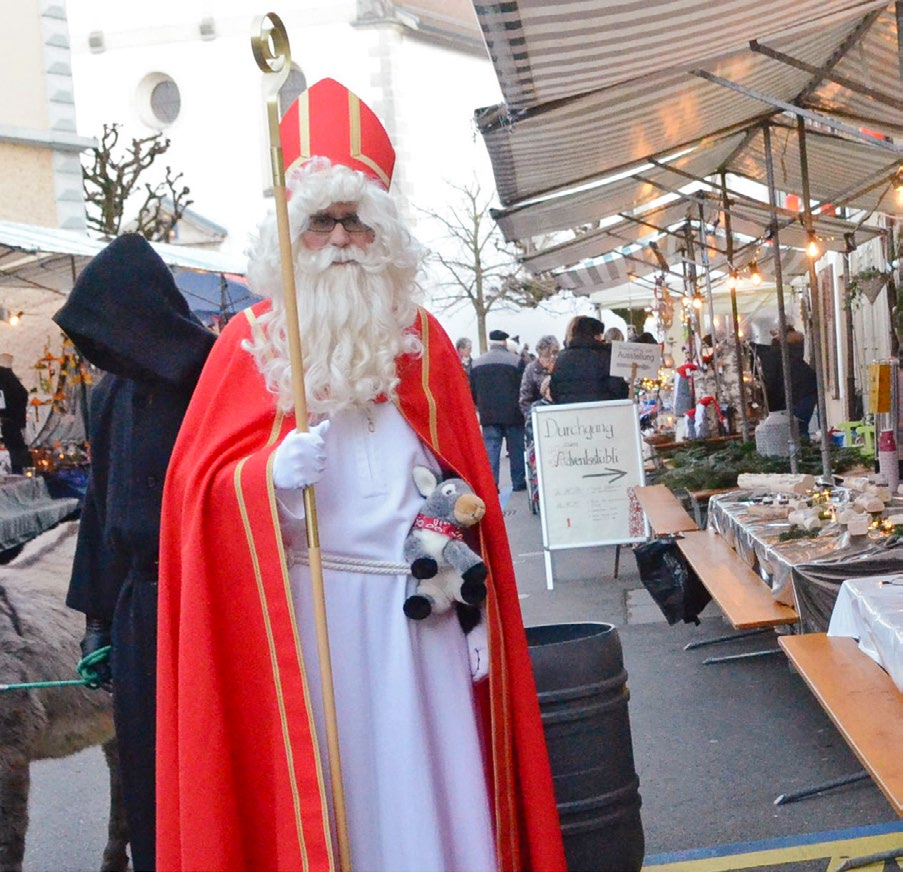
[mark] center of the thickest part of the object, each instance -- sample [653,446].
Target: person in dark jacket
[127,317]
[803,384]
[495,384]
[582,372]
[536,372]
[13,408]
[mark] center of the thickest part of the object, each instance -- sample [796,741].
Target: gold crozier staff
[269,43]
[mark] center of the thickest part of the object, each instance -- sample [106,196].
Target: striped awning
[841,171]
[542,148]
[875,64]
[666,227]
[48,259]
[549,51]
[614,271]
[630,232]
[643,185]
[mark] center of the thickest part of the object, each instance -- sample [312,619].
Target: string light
[697,302]
[15,318]
[754,274]
[898,185]
[812,248]
[732,281]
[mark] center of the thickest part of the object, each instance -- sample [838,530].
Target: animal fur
[39,641]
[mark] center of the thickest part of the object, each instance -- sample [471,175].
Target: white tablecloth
[870,609]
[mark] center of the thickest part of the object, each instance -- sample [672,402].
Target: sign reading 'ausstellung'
[626,355]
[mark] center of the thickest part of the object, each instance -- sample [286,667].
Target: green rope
[84,667]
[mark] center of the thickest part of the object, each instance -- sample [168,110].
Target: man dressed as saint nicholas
[444,764]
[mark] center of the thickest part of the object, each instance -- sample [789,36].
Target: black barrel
[581,681]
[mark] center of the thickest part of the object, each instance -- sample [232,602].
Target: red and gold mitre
[328,120]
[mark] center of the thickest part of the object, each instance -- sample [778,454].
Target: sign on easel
[635,359]
[589,459]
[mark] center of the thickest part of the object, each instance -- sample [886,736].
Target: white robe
[412,762]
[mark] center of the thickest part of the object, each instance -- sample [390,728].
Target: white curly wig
[355,317]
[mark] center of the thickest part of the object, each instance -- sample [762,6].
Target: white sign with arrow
[589,459]
[632,359]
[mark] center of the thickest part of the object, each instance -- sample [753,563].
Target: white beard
[353,318]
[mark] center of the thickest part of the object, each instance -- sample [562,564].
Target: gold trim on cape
[283,719]
[425,379]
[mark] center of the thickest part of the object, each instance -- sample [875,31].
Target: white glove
[300,459]
[478,647]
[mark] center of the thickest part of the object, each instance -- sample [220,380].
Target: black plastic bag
[670,580]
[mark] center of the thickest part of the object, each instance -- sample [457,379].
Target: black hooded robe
[126,316]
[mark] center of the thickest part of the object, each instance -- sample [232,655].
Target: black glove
[97,637]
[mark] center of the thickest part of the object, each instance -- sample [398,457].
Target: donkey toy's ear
[425,480]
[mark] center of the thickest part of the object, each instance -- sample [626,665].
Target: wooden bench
[664,510]
[744,598]
[861,700]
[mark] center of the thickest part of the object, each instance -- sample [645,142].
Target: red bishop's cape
[239,785]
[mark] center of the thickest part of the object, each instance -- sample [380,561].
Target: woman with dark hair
[582,372]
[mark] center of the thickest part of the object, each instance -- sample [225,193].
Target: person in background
[126,316]
[646,338]
[534,389]
[802,377]
[582,372]
[13,410]
[464,347]
[536,371]
[613,334]
[568,331]
[495,383]
[803,383]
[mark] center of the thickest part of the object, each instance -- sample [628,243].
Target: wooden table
[745,599]
[860,699]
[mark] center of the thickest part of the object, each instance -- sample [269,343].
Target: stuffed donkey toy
[447,571]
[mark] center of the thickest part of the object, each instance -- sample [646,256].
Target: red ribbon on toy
[686,368]
[437,525]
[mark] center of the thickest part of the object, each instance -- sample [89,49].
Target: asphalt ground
[714,745]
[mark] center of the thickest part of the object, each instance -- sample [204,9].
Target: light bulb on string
[812,248]
[732,280]
[697,302]
[754,274]
[15,318]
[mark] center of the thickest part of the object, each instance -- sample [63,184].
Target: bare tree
[482,269]
[115,174]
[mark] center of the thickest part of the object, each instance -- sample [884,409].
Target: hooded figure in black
[126,316]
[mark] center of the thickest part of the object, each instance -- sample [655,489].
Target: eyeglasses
[323,223]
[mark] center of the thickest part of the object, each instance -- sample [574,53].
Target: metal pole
[690,287]
[815,310]
[848,327]
[708,288]
[735,318]
[269,43]
[782,314]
